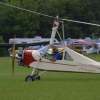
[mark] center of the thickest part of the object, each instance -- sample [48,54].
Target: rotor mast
[54,30]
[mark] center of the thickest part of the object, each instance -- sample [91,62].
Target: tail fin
[79,58]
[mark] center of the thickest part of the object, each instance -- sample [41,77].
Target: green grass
[52,86]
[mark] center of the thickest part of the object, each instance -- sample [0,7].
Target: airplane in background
[36,39]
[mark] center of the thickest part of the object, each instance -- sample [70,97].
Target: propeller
[13,56]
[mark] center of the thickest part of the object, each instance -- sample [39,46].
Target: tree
[27,24]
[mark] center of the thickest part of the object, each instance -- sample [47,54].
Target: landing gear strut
[34,76]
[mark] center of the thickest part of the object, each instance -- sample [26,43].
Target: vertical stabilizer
[79,58]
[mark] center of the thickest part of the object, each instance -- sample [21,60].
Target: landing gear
[29,78]
[32,78]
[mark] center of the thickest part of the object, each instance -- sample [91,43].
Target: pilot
[56,55]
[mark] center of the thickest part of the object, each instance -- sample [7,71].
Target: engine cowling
[30,56]
[27,57]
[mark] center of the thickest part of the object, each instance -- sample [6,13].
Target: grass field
[52,86]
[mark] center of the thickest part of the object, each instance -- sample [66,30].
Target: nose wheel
[32,78]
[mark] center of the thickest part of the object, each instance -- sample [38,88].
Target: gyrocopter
[63,60]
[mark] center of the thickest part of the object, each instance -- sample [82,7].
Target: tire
[29,78]
[38,78]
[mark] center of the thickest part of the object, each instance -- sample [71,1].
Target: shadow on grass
[72,78]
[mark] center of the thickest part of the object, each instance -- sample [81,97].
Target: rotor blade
[27,10]
[42,14]
[81,22]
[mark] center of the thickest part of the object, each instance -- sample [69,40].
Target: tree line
[25,24]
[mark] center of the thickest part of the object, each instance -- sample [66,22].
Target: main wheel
[38,77]
[29,78]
